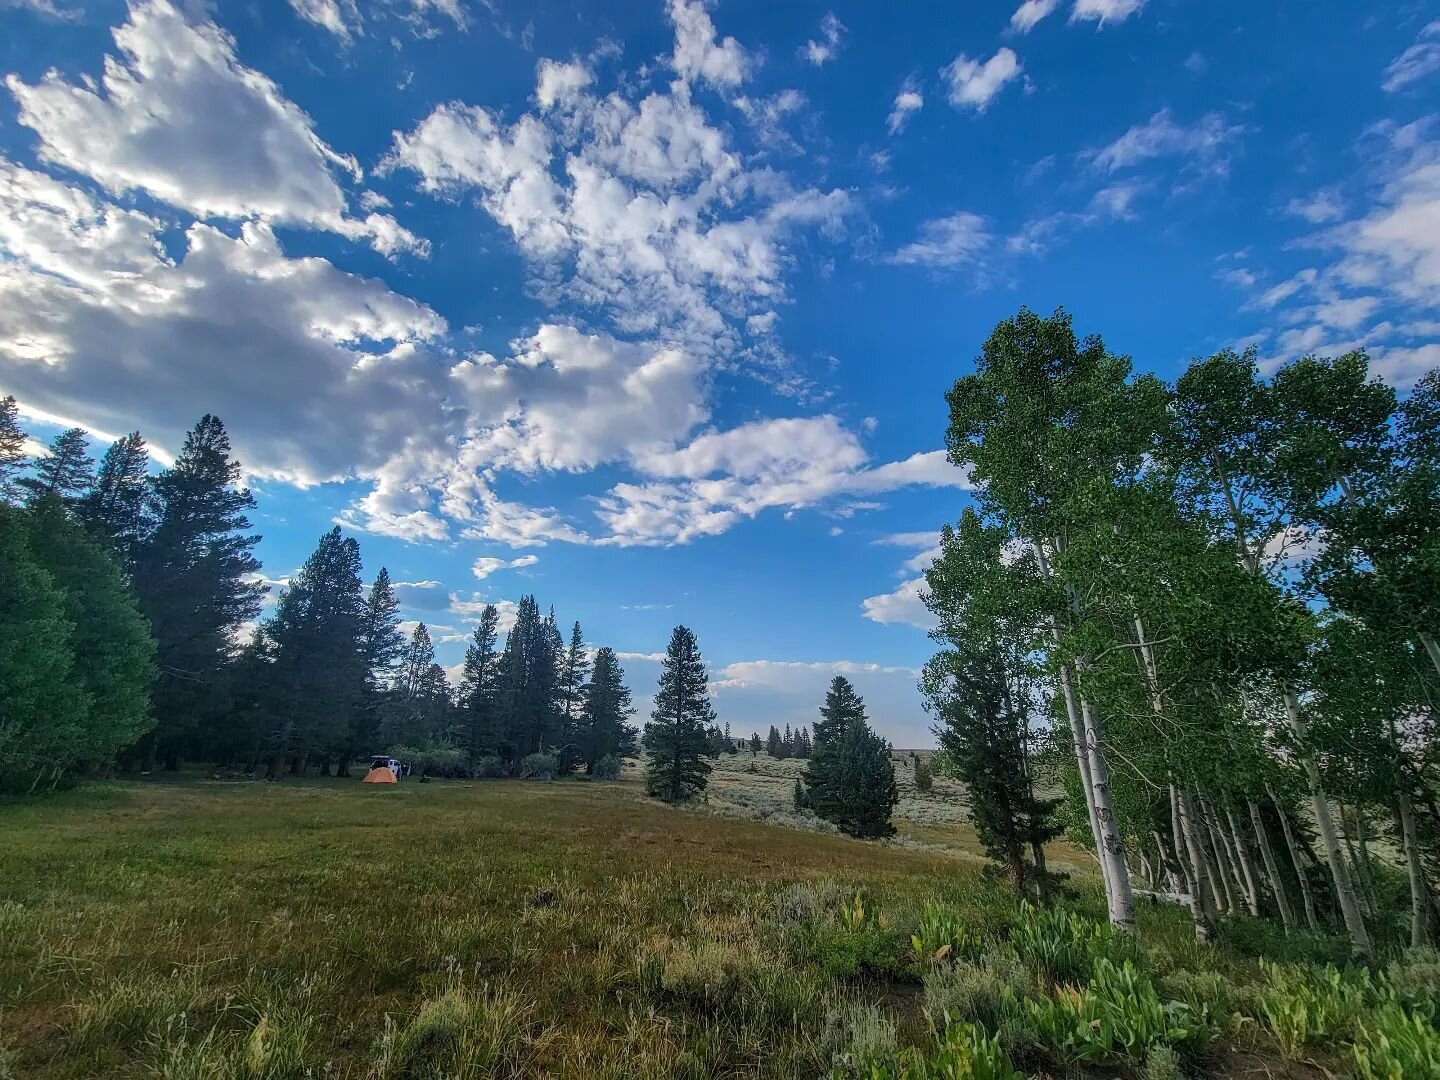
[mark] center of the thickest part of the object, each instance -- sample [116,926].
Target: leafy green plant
[1394,1043]
[988,994]
[1120,1014]
[941,936]
[539,766]
[1307,1006]
[607,768]
[857,913]
[1062,946]
[965,1053]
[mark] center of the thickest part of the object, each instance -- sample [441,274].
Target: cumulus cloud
[907,101]
[486,565]
[700,54]
[1415,63]
[827,47]
[904,604]
[1203,146]
[1103,11]
[1031,12]
[177,116]
[961,239]
[974,84]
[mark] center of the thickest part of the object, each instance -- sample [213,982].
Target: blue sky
[649,308]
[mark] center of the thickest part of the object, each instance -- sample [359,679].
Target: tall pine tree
[381,645]
[675,736]
[65,472]
[116,508]
[849,779]
[604,727]
[478,695]
[574,671]
[12,448]
[196,579]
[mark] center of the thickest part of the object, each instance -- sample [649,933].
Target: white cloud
[1203,145]
[560,83]
[484,566]
[907,101]
[698,55]
[1319,208]
[471,608]
[177,116]
[828,46]
[975,83]
[340,17]
[960,239]
[45,8]
[1031,12]
[903,605]
[1103,11]
[1416,62]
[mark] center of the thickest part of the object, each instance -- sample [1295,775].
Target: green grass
[189,928]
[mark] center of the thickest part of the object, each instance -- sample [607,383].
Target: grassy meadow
[188,927]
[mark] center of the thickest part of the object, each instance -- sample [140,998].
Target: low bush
[1120,1014]
[989,994]
[442,761]
[539,767]
[704,974]
[607,768]
[1303,1006]
[856,1037]
[1395,1043]
[941,936]
[965,1053]
[1414,980]
[1063,947]
[462,1032]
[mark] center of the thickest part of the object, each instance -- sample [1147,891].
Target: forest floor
[186,927]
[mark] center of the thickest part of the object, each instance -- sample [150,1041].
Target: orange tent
[381,775]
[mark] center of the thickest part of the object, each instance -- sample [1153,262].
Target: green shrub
[1120,1014]
[965,1053]
[539,767]
[1414,980]
[1307,1006]
[941,936]
[857,1036]
[437,760]
[1394,1043]
[988,994]
[489,767]
[854,943]
[607,768]
[707,973]
[1062,947]
[1162,1063]
[803,900]
[924,775]
[462,1032]
[1207,992]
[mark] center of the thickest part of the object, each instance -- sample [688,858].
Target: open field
[185,927]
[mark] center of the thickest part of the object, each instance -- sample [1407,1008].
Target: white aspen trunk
[1218,868]
[1201,909]
[1432,649]
[1247,865]
[1223,855]
[1112,852]
[1082,762]
[1360,946]
[1294,849]
[1272,869]
[1419,892]
[1367,877]
[1347,835]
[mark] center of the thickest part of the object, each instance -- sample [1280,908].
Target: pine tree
[318,676]
[604,729]
[195,576]
[479,686]
[574,671]
[414,714]
[66,471]
[675,737]
[772,742]
[849,779]
[116,508]
[381,645]
[787,743]
[12,448]
[755,743]
[530,683]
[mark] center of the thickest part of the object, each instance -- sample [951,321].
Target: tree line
[1207,609]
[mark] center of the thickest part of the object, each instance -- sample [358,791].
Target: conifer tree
[675,736]
[318,675]
[477,697]
[529,683]
[772,742]
[849,779]
[574,671]
[415,716]
[604,727]
[381,645]
[116,507]
[65,472]
[755,743]
[196,580]
[12,448]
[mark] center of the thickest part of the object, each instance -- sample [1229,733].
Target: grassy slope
[376,898]
[190,928]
